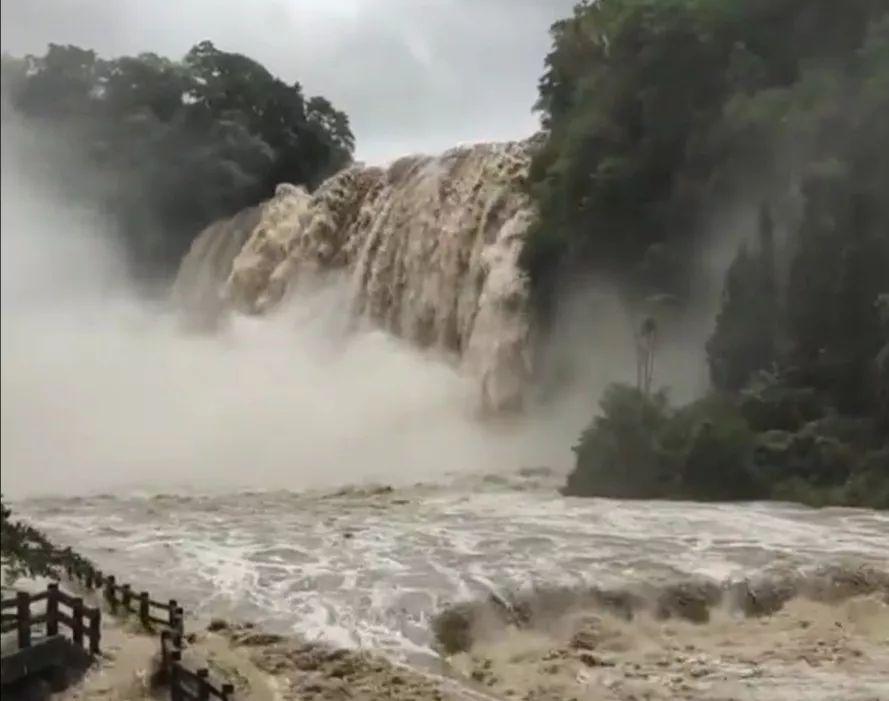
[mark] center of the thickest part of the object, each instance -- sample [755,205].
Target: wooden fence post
[203,684]
[23,618]
[172,613]
[110,595]
[77,621]
[228,691]
[165,649]
[180,620]
[144,611]
[52,609]
[175,676]
[95,631]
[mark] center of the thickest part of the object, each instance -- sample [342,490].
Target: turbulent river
[370,567]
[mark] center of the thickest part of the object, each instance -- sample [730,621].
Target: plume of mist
[103,390]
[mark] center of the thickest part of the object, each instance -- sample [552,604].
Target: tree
[661,112]
[744,339]
[178,144]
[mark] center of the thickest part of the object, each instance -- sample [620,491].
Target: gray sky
[413,75]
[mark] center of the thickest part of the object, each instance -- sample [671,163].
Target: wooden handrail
[24,619]
[185,683]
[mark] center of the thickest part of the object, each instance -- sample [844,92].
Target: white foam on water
[284,560]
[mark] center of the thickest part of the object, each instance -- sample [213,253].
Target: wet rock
[257,639]
[594,660]
[690,600]
[453,628]
[763,598]
[584,640]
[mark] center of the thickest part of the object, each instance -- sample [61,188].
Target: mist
[104,390]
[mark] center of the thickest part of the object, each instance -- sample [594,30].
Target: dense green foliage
[641,447]
[174,145]
[27,552]
[663,115]
[745,338]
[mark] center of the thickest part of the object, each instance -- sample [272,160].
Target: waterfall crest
[430,244]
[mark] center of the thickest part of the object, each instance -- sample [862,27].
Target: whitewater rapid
[430,244]
[370,568]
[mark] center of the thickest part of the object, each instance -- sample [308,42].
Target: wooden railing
[185,684]
[23,619]
[121,599]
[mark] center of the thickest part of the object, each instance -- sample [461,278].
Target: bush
[717,452]
[641,448]
[619,455]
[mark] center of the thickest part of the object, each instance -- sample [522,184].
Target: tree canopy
[660,116]
[660,113]
[177,144]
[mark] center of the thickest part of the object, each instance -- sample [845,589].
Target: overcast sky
[413,75]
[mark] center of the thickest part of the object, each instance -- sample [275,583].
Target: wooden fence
[185,684]
[23,619]
[52,652]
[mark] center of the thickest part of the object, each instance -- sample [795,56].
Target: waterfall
[430,244]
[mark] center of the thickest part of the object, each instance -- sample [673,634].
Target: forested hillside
[664,113]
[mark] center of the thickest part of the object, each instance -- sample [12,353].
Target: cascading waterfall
[431,245]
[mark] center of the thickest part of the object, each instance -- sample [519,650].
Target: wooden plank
[7,617]
[65,618]
[39,597]
[9,626]
[47,653]
[66,599]
[23,618]
[52,610]
[144,613]
[204,687]
[77,622]
[159,604]
[7,604]
[95,630]
[37,620]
